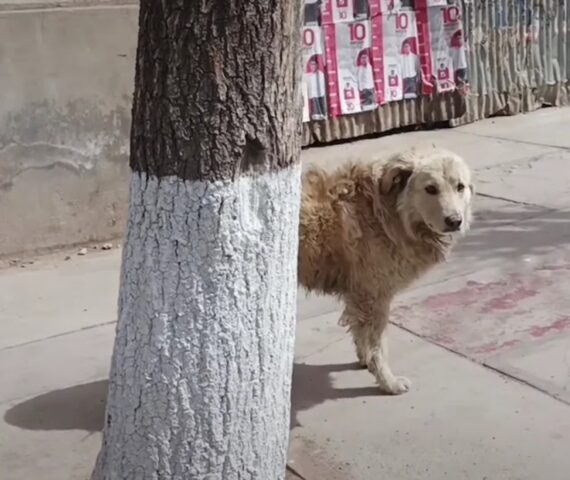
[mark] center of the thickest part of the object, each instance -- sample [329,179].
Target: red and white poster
[384,6]
[401,60]
[338,11]
[421,4]
[442,47]
[354,63]
[314,75]
[312,12]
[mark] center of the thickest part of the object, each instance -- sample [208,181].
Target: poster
[421,4]
[444,55]
[402,68]
[312,12]
[305,97]
[408,4]
[314,74]
[336,11]
[385,6]
[354,63]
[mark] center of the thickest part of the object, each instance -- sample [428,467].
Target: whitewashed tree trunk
[201,371]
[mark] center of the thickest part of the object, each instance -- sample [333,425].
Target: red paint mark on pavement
[468,295]
[480,317]
[509,300]
[558,326]
[493,347]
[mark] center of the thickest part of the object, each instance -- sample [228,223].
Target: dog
[370,229]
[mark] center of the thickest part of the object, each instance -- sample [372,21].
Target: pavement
[484,338]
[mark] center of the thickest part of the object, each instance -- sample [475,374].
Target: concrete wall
[66,79]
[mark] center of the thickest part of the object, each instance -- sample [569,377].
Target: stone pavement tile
[55,363]
[545,127]
[479,152]
[543,180]
[459,421]
[544,364]
[61,450]
[54,296]
[493,310]
[52,396]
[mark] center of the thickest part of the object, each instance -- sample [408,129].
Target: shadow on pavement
[81,407]
[312,386]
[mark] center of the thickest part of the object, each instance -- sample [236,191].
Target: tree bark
[201,371]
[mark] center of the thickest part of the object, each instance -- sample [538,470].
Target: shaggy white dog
[368,230]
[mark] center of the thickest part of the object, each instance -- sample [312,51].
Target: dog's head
[432,189]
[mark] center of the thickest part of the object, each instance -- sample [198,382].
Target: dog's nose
[453,222]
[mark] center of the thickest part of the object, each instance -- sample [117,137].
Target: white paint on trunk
[201,373]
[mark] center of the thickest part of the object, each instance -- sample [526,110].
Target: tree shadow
[82,407]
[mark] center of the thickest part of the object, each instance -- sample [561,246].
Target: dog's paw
[398,386]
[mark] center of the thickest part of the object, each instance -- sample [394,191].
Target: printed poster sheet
[445,55]
[336,11]
[401,60]
[354,65]
[314,74]
[312,12]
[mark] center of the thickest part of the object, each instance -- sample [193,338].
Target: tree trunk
[201,371]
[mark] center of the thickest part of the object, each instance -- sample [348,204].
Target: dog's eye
[432,190]
[460,187]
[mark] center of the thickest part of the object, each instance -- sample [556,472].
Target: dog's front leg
[377,358]
[356,321]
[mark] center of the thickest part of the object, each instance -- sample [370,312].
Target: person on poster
[443,77]
[313,12]
[348,92]
[443,73]
[411,68]
[316,87]
[361,9]
[393,80]
[365,78]
[458,58]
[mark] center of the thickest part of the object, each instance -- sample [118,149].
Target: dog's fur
[368,230]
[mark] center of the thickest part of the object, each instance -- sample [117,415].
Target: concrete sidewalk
[485,339]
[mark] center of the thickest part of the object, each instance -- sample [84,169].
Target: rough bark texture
[214,84]
[200,382]
[201,372]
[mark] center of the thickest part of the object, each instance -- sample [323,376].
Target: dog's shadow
[312,385]
[82,407]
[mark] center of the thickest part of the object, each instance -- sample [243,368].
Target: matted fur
[368,230]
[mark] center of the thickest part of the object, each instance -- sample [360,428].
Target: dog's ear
[395,178]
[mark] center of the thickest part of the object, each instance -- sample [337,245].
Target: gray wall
[66,77]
